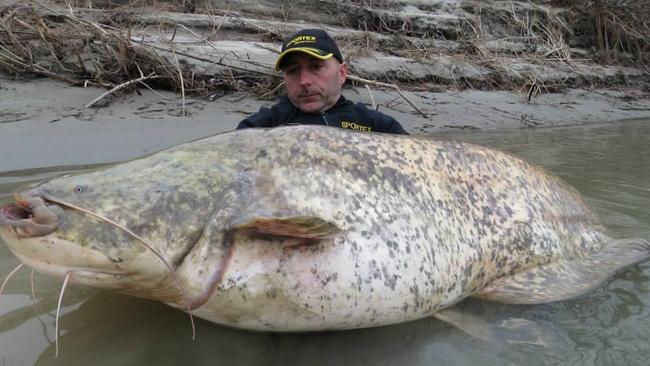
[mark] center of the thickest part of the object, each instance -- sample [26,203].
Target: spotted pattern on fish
[314,228]
[427,223]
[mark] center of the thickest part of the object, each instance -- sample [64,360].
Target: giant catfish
[309,228]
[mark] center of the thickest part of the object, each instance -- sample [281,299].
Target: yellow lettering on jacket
[355,126]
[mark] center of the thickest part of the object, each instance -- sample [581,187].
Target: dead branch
[391,86]
[372,99]
[122,86]
[180,75]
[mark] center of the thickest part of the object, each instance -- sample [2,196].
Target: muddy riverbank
[44,122]
[465,65]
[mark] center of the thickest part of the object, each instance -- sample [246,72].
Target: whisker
[139,239]
[4,283]
[31,281]
[58,311]
[119,226]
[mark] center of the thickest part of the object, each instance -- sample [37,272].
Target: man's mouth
[308,95]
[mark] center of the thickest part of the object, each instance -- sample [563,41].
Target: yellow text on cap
[302,39]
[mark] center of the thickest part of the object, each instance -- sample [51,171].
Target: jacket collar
[339,103]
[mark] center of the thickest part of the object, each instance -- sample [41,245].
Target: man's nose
[304,77]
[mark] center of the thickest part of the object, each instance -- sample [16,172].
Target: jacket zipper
[324,119]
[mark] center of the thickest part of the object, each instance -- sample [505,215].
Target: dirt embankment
[534,46]
[460,63]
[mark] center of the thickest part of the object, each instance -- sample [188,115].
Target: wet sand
[44,123]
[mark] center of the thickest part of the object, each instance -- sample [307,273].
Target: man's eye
[291,71]
[316,66]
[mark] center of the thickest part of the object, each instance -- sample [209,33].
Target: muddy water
[609,164]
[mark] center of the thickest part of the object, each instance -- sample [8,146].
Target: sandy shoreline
[43,123]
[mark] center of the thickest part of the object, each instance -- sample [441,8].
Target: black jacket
[343,114]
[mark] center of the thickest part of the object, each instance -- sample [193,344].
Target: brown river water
[608,163]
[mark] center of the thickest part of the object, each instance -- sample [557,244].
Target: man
[314,74]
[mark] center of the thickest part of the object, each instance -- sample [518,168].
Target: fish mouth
[31,216]
[13,212]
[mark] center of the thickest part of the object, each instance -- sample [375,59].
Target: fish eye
[79,189]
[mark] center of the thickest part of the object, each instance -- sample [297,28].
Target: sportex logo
[355,126]
[301,39]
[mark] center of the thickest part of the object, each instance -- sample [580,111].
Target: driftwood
[390,86]
[121,86]
[50,42]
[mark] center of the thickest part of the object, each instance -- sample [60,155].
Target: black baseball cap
[314,42]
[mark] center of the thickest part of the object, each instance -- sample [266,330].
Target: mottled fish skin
[424,223]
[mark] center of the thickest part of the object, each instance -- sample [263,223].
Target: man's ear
[343,73]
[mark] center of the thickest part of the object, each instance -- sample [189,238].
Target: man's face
[313,85]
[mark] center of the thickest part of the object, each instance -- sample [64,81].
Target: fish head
[105,229]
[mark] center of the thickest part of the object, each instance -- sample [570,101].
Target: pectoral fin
[566,278]
[510,330]
[469,323]
[304,227]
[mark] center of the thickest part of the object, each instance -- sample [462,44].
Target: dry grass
[366,15]
[60,45]
[187,6]
[619,30]
[539,28]
[533,34]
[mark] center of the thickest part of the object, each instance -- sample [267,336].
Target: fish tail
[567,278]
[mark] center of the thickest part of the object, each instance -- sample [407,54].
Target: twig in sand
[535,89]
[274,91]
[372,99]
[180,74]
[147,86]
[121,86]
[385,85]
